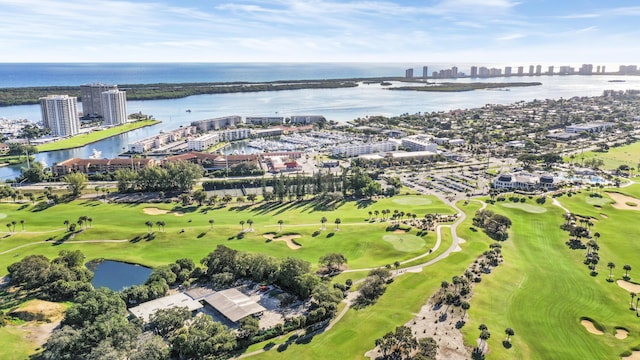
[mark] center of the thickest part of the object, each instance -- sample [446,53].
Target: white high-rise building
[114,107]
[60,114]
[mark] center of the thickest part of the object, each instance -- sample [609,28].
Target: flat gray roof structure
[145,310]
[233,304]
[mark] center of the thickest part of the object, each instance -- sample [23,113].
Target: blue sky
[429,31]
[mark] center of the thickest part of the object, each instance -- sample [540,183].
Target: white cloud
[510,37]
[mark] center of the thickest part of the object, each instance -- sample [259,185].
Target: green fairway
[614,157]
[84,139]
[543,290]
[405,242]
[13,345]
[412,200]
[191,235]
[531,209]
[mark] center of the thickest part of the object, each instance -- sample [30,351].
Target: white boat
[97,154]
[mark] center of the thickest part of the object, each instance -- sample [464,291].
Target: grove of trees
[173,176]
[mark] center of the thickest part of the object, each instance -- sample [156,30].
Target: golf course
[542,290]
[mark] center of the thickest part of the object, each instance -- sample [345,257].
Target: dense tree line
[160,280]
[225,265]
[172,176]
[60,279]
[353,181]
[96,327]
[30,95]
[495,225]
[373,287]
[402,344]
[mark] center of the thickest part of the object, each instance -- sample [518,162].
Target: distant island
[455,87]
[30,95]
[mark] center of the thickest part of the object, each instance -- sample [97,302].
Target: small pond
[117,275]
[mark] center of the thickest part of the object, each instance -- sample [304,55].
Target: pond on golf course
[117,275]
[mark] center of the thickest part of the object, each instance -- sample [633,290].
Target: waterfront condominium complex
[60,114]
[114,107]
[90,95]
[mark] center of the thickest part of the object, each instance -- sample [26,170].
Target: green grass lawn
[190,235]
[543,289]
[13,345]
[84,139]
[614,157]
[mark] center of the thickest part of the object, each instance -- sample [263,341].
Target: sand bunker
[622,200]
[621,333]
[156,211]
[629,286]
[399,231]
[635,355]
[604,216]
[288,239]
[590,327]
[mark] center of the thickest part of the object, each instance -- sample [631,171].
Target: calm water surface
[117,275]
[335,104]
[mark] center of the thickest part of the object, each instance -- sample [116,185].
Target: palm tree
[66,223]
[637,300]
[211,221]
[242,224]
[149,226]
[510,333]
[280,222]
[22,224]
[465,306]
[626,268]
[484,336]
[632,296]
[376,213]
[9,227]
[338,222]
[323,221]
[596,235]
[611,266]
[250,222]
[370,213]
[89,220]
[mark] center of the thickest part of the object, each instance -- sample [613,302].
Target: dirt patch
[604,216]
[399,231]
[629,286]
[42,316]
[39,310]
[621,333]
[156,211]
[624,202]
[588,324]
[288,239]
[38,333]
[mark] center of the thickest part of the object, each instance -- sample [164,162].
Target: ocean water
[335,104]
[50,74]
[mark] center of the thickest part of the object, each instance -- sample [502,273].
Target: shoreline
[71,143]
[15,96]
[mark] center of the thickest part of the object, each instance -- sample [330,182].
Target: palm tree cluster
[458,292]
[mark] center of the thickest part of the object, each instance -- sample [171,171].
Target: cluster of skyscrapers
[532,70]
[99,101]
